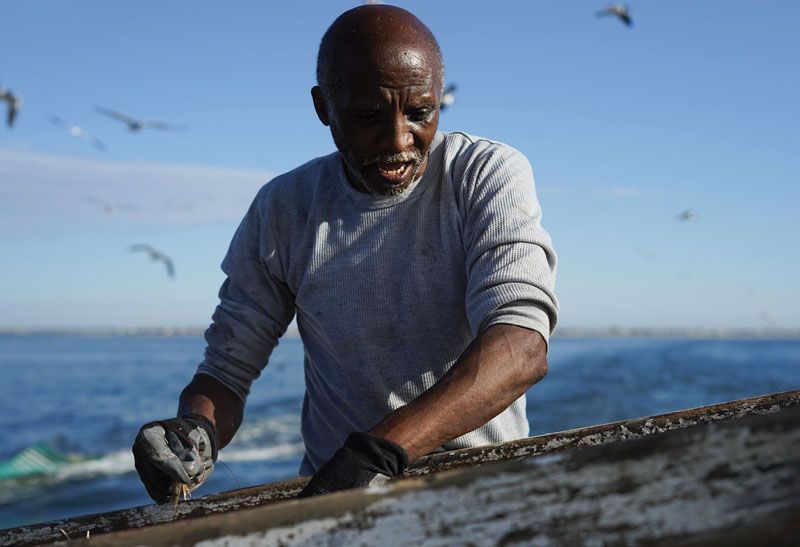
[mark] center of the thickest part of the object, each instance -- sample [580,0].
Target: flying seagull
[154,255]
[618,10]
[688,216]
[78,132]
[448,97]
[646,254]
[136,125]
[108,208]
[768,318]
[13,102]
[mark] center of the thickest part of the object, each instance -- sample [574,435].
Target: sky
[692,107]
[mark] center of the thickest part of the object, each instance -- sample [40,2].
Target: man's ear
[320,105]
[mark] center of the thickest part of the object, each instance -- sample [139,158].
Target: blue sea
[87,396]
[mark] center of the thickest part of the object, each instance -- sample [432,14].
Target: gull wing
[58,122]
[169,264]
[155,255]
[13,102]
[161,257]
[12,113]
[164,126]
[78,133]
[141,247]
[448,97]
[618,10]
[97,143]
[116,115]
[93,200]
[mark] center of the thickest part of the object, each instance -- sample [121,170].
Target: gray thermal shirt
[388,291]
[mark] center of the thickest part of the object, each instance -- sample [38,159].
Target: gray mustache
[402,157]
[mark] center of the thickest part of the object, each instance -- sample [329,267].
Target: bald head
[372,33]
[379,75]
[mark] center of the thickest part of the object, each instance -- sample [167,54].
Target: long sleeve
[255,308]
[511,264]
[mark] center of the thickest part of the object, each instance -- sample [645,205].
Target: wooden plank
[241,499]
[605,433]
[710,484]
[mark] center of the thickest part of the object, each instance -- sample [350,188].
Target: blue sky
[694,107]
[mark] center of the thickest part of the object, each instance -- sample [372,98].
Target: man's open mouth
[395,172]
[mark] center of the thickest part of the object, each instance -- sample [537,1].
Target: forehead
[363,72]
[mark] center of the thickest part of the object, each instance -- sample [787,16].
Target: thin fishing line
[231,472]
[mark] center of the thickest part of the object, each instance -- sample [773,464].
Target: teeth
[395,172]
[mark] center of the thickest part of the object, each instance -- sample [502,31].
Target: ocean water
[87,396]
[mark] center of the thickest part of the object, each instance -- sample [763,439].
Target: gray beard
[356,168]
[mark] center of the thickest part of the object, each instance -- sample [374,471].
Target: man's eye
[367,114]
[419,114]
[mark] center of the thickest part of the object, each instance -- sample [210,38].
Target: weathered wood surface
[733,483]
[241,499]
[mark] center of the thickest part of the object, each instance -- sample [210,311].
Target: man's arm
[255,308]
[510,267]
[495,370]
[207,396]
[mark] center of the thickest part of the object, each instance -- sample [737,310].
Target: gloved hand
[179,450]
[364,460]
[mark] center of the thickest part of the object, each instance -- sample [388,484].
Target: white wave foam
[115,463]
[121,462]
[260,441]
[262,454]
[280,426]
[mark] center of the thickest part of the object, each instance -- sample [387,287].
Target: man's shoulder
[470,159]
[465,147]
[300,183]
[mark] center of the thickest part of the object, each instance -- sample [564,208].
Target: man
[417,267]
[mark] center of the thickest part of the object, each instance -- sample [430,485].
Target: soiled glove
[179,450]
[364,460]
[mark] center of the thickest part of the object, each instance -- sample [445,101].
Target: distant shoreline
[699,333]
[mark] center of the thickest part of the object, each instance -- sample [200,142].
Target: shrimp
[178,490]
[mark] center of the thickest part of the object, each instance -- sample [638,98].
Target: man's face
[383,116]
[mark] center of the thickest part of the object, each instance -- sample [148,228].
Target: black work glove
[173,452]
[364,460]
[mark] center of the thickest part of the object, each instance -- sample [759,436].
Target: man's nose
[398,137]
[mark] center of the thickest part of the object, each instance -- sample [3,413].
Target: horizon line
[560,332]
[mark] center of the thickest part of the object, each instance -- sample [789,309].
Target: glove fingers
[162,456]
[158,487]
[341,473]
[202,443]
[199,479]
[189,457]
[176,450]
[174,443]
[364,460]
[154,480]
